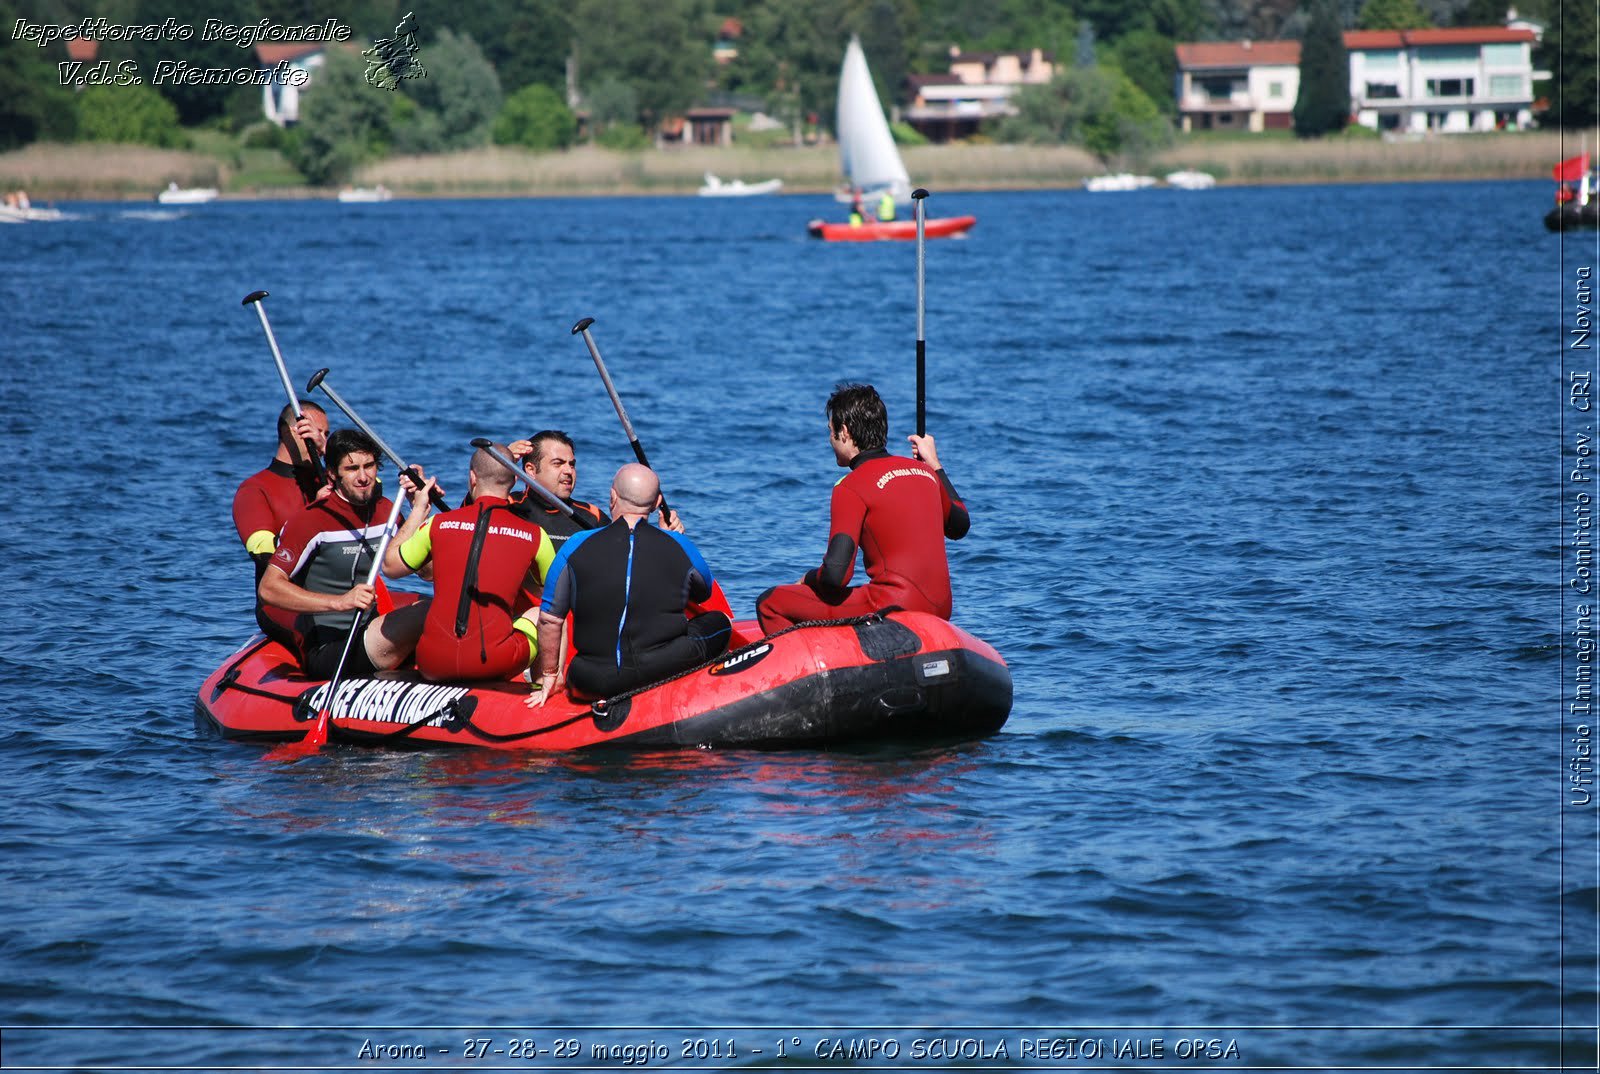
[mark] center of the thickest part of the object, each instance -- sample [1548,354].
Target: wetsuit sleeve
[699,580]
[849,512]
[545,557]
[253,517]
[956,520]
[418,547]
[558,595]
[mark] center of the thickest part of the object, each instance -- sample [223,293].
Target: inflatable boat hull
[906,676]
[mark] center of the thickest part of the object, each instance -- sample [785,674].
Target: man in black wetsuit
[627,586]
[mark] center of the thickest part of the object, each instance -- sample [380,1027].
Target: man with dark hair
[316,581]
[549,458]
[267,498]
[488,562]
[897,511]
[628,587]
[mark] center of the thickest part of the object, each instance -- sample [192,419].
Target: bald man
[488,563]
[627,586]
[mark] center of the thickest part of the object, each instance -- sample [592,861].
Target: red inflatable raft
[870,231]
[900,676]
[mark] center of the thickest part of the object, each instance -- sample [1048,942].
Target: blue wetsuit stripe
[627,587]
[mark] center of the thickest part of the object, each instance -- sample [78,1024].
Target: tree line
[499,70]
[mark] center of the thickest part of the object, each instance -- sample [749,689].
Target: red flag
[1572,169]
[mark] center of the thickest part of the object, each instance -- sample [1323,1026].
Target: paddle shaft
[551,498]
[319,380]
[918,196]
[616,401]
[254,299]
[319,733]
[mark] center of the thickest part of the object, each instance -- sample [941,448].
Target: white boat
[737,188]
[867,154]
[191,195]
[1120,181]
[365,193]
[14,214]
[1189,179]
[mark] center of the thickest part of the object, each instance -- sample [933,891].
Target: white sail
[867,152]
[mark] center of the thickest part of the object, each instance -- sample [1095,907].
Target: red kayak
[898,676]
[871,231]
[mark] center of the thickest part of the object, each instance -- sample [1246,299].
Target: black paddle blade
[253,296]
[581,325]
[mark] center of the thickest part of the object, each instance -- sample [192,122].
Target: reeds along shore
[135,172]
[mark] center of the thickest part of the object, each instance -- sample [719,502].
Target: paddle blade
[316,738]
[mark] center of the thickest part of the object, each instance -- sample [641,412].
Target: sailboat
[871,163]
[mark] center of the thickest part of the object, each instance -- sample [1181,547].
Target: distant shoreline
[51,172]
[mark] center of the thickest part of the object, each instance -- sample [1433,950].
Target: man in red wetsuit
[486,559]
[897,511]
[316,582]
[267,498]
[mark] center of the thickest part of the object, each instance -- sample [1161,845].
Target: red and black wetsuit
[328,548]
[263,503]
[627,589]
[474,628]
[898,511]
[557,523]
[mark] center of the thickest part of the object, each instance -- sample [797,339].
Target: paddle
[918,196]
[582,327]
[319,380]
[584,520]
[318,735]
[254,299]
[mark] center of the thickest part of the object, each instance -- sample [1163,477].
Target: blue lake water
[1268,500]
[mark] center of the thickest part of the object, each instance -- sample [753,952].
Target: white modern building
[1404,81]
[1452,81]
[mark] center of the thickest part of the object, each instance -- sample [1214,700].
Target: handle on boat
[918,196]
[254,299]
[483,443]
[582,328]
[319,379]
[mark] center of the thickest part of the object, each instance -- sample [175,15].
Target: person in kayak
[897,511]
[265,500]
[315,583]
[627,587]
[487,562]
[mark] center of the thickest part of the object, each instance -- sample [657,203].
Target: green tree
[343,120]
[196,103]
[33,103]
[654,47]
[1568,52]
[1323,106]
[1098,108]
[1149,60]
[1392,15]
[537,118]
[136,115]
[461,89]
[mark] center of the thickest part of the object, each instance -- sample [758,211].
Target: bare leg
[393,637]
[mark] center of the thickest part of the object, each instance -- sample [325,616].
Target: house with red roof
[1237,85]
[1449,81]
[281,100]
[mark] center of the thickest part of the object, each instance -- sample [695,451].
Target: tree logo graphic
[392,59]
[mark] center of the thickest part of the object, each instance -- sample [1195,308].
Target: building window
[1502,55]
[1382,60]
[1505,86]
[1450,87]
[1389,121]
[1275,91]
[1382,91]
[1218,89]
